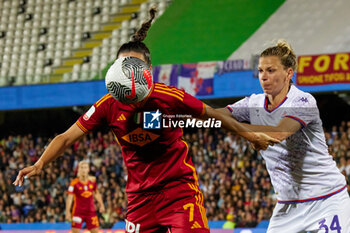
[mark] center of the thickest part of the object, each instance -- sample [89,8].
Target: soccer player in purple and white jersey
[311,191]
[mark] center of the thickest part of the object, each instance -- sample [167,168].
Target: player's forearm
[229,123]
[69,203]
[57,146]
[272,131]
[99,199]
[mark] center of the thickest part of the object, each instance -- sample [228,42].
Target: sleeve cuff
[81,126]
[229,108]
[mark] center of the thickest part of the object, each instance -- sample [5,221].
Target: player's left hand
[263,141]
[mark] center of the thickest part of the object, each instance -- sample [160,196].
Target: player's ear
[150,67]
[290,73]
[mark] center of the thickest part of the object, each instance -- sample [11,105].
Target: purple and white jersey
[300,167]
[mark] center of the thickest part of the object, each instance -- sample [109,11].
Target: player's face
[273,76]
[84,169]
[134,54]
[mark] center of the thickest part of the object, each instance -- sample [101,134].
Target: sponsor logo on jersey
[196,225]
[86,194]
[121,117]
[140,137]
[132,227]
[77,219]
[71,189]
[88,114]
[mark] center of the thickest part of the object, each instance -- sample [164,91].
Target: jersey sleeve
[303,109]
[71,188]
[190,105]
[240,110]
[95,115]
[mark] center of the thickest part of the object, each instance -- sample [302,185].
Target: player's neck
[84,179]
[275,100]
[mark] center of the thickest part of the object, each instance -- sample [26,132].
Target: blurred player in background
[310,189]
[82,191]
[162,184]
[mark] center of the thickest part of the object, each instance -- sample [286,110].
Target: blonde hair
[284,51]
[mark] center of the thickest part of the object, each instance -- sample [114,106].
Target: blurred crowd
[232,176]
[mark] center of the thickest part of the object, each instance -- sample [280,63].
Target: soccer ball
[129,80]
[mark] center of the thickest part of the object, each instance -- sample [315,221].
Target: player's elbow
[63,139]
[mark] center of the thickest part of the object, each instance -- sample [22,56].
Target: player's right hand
[68,217]
[27,172]
[263,141]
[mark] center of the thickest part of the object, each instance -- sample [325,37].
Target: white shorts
[330,215]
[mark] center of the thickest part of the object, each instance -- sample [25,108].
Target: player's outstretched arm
[57,146]
[285,128]
[260,140]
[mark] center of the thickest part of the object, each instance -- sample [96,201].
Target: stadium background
[53,57]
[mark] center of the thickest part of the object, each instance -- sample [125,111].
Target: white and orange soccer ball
[129,80]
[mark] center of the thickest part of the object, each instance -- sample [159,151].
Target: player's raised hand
[28,172]
[263,141]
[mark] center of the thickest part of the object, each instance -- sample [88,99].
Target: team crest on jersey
[140,137]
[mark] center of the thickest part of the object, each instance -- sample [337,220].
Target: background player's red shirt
[153,157]
[83,196]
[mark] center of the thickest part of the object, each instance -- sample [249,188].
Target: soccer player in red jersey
[82,190]
[162,185]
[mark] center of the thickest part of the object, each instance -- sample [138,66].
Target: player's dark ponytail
[136,44]
[141,34]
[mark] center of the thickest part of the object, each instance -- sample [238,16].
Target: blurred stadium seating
[312,27]
[60,41]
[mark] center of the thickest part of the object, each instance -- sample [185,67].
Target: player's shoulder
[301,98]
[74,181]
[107,98]
[256,98]
[92,178]
[167,92]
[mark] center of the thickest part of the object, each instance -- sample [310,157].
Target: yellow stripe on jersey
[164,87]
[203,110]
[81,127]
[168,93]
[199,203]
[74,204]
[103,99]
[188,165]
[116,138]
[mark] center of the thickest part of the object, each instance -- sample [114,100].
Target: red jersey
[83,196]
[153,157]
